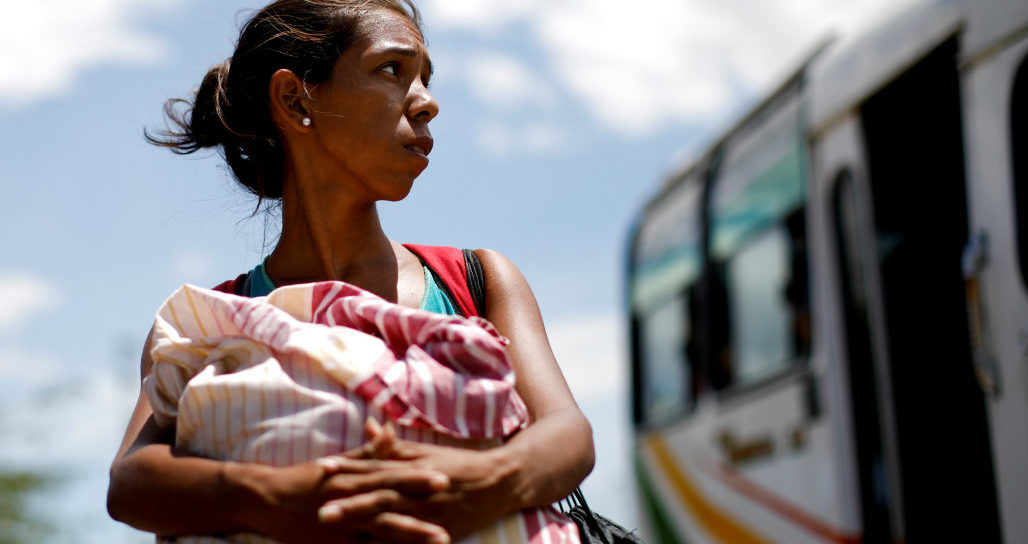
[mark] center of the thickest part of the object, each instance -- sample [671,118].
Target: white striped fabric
[292,377]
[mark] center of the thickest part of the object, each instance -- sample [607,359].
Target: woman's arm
[540,464]
[157,488]
[554,453]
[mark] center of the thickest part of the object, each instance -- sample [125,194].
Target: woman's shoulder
[499,271]
[470,274]
[454,254]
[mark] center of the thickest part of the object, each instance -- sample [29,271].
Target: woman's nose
[423,106]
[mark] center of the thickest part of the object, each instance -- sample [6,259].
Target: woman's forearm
[549,458]
[156,489]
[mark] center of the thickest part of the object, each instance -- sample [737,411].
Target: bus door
[856,377]
[995,100]
[934,435]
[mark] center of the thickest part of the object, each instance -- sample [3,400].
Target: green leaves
[18,523]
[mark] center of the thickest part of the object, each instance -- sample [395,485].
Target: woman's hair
[231,107]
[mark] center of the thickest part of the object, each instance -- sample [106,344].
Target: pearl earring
[306,121]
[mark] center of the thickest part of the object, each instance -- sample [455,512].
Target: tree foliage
[18,523]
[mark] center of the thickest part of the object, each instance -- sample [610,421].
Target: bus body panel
[854,68]
[988,87]
[992,25]
[787,497]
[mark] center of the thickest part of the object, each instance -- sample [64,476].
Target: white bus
[829,307]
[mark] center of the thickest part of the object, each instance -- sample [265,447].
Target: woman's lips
[422,146]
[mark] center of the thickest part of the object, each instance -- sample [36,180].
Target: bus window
[667,382]
[768,320]
[765,294]
[665,266]
[1019,152]
[758,307]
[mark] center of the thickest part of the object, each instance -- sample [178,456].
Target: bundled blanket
[292,377]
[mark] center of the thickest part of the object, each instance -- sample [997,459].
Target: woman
[325,106]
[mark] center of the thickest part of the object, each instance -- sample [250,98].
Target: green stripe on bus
[662,526]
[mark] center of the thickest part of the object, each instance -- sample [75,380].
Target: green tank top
[432,300]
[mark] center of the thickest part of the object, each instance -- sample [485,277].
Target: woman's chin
[398,195]
[401,190]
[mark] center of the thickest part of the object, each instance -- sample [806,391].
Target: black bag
[592,527]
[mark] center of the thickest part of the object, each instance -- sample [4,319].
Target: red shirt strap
[448,265]
[231,286]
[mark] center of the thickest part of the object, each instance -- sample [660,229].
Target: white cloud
[47,44]
[21,297]
[480,15]
[592,355]
[537,138]
[193,263]
[500,79]
[656,63]
[89,412]
[24,371]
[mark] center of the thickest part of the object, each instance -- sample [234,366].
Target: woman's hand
[293,499]
[478,494]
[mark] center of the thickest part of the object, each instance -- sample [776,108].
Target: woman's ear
[289,102]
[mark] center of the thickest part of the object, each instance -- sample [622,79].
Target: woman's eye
[390,69]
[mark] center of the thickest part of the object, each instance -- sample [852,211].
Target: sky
[558,119]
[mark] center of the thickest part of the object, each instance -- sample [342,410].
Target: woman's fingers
[380,441]
[393,527]
[411,481]
[372,428]
[361,505]
[385,442]
[346,464]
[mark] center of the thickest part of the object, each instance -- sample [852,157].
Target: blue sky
[558,119]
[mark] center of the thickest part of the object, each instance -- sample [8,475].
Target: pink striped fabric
[291,377]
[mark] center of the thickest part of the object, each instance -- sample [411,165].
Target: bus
[828,307]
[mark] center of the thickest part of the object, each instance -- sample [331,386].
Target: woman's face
[371,116]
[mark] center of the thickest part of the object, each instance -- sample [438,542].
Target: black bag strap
[476,280]
[575,507]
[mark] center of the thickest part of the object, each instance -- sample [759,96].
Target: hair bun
[208,123]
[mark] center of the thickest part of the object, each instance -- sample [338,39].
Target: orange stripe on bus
[781,507]
[716,522]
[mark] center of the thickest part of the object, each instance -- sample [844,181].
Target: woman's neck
[316,247]
[331,231]
[329,237]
